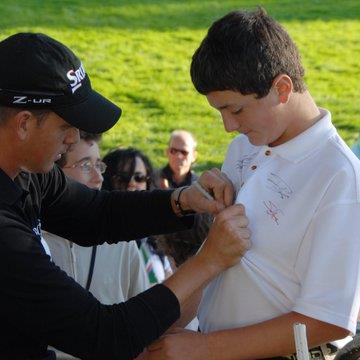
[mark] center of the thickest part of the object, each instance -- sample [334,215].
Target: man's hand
[227,241]
[179,345]
[214,182]
[228,238]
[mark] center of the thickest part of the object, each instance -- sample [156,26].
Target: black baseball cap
[38,72]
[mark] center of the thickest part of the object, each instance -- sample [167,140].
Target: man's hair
[120,159]
[6,112]
[244,52]
[183,133]
[88,137]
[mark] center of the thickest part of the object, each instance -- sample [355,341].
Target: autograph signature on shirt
[273,211]
[242,164]
[278,185]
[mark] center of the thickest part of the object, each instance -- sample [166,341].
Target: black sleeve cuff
[164,306]
[150,314]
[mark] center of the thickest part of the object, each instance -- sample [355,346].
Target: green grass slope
[138,52]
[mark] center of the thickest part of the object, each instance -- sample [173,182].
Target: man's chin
[38,170]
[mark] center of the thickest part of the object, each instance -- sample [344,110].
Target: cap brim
[94,115]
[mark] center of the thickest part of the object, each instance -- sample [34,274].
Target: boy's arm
[264,340]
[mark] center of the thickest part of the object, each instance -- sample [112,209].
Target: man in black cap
[45,98]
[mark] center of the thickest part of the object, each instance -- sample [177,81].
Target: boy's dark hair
[120,161]
[83,136]
[89,136]
[244,52]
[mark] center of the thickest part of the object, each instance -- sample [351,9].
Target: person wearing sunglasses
[111,272]
[129,169]
[181,154]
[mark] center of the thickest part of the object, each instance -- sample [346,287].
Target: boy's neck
[301,113]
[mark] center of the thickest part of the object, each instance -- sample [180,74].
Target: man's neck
[8,161]
[179,178]
[9,170]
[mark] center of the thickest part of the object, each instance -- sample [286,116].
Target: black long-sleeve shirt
[40,304]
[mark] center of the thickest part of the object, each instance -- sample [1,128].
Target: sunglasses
[174,151]
[137,177]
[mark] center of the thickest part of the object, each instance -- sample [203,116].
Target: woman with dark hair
[127,169]
[130,170]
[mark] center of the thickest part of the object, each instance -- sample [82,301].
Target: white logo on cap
[76,77]
[26,100]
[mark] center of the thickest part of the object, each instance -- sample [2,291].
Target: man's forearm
[189,310]
[191,278]
[270,338]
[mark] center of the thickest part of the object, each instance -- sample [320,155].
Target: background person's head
[181,152]
[82,163]
[127,169]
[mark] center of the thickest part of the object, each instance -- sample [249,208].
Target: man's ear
[283,87]
[23,122]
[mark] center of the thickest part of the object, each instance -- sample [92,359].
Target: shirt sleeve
[42,303]
[328,266]
[87,216]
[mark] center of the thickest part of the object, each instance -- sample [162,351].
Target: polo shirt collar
[307,142]
[10,192]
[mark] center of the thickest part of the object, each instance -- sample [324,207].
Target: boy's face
[81,163]
[259,119]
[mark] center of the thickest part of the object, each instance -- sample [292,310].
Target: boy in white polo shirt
[299,183]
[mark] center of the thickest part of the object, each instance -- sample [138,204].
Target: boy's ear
[283,86]
[22,123]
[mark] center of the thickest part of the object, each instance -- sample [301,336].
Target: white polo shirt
[302,201]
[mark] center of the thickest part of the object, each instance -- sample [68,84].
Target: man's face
[82,164]
[46,142]
[181,154]
[258,119]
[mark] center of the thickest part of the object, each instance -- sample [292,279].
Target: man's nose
[73,136]
[180,155]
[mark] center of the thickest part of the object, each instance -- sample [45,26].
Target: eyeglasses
[174,151]
[86,166]
[137,177]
